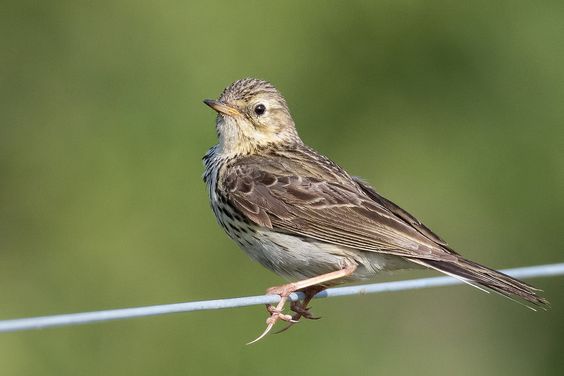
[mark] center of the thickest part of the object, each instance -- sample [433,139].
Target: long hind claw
[271,321]
[275,315]
[268,328]
[310,287]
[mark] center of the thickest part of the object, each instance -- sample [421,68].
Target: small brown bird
[302,216]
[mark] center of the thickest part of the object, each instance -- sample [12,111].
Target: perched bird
[302,216]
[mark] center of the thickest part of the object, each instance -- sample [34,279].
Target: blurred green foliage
[453,110]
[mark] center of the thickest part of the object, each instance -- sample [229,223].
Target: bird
[305,218]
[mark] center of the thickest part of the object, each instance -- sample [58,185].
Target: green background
[454,111]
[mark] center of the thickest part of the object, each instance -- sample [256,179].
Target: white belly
[294,258]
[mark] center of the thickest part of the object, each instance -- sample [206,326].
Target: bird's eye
[260,109]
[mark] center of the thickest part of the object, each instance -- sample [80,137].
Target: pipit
[302,216]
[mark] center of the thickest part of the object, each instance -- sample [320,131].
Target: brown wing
[307,195]
[399,212]
[323,203]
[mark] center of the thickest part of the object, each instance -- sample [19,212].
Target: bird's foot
[275,312]
[310,287]
[301,309]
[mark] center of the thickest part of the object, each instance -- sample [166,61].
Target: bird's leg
[284,292]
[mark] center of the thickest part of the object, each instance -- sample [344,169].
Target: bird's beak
[222,107]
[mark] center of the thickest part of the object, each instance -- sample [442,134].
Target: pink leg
[285,290]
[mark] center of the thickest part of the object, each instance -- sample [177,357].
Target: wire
[13,325]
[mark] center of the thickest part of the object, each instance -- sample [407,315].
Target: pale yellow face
[249,120]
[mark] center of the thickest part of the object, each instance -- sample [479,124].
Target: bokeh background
[453,110]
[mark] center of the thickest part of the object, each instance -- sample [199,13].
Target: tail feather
[474,273]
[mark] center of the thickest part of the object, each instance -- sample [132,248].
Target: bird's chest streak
[291,257]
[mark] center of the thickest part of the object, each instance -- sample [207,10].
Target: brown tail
[475,273]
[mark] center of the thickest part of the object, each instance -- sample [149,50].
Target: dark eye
[260,109]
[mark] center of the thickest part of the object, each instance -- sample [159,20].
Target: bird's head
[252,115]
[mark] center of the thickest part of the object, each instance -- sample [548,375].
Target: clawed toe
[310,287]
[299,313]
[302,311]
[275,315]
[268,328]
[309,316]
[279,316]
[270,324]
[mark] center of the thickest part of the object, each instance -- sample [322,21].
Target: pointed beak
[221,107]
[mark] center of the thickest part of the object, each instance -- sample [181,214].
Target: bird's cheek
[250,129]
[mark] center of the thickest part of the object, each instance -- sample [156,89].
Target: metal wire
[13,325]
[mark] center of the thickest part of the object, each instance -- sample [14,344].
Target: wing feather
[329,208]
